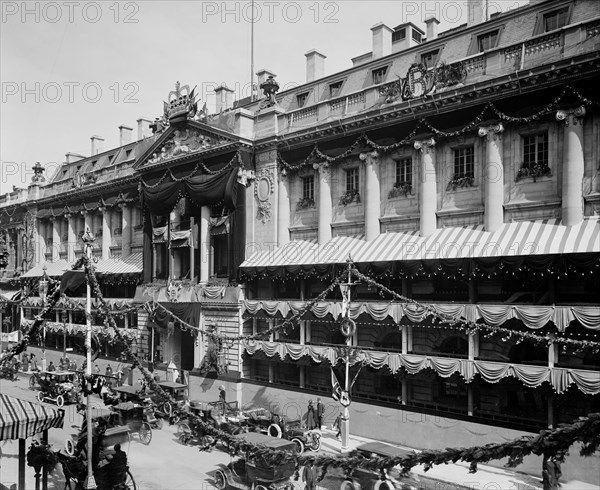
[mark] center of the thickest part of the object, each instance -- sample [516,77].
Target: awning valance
[533,238]
[532,316]
[20,419]
[132,264]
[492,372]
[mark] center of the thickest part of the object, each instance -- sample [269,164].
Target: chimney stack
[263,75]
[315,65]
[97,144]
[72,157]
[476,11]
[144,130]
[432,28]
[225,97]
[382,40]
[125,133]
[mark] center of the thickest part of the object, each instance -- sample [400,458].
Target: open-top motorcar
[255,473]
[59,387]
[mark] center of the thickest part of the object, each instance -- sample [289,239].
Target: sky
[73,69]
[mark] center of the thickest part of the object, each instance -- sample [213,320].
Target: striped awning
[20,419]
[544,237]
[53,269]
[132,264]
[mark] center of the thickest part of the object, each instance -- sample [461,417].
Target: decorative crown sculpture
[181,104]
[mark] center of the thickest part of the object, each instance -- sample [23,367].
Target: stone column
[71,238]
[125,230]
[573,165]
[40,243]
[204,244]
[55,223]
[283,209]
[106,233]
[325,206]
[372,195]
[428,194]
[88,221]
[493,175]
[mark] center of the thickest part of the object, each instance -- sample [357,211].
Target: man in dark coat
[309,476]
[320,412]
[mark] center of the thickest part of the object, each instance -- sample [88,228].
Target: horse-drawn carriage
[122,394]
[254,472]
[59,387]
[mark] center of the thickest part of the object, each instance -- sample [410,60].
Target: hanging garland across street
[317,155]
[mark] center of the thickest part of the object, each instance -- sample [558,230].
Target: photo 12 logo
[271,12]
[71,12]
[70,92]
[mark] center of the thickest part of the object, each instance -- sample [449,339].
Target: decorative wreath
[348,327]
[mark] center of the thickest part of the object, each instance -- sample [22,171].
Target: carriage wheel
[145,434]
[168,409]
[299,445]
[60,401]
[70,447]
[316,441]
[40,396]
[220,480]
[129,481]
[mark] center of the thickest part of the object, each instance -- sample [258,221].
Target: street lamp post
[43,289]
[88,243]
[348,332]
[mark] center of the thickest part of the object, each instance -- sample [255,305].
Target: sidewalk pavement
[457,474]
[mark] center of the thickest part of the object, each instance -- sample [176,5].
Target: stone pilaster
[204,243]
[372,195]
[106,232]
[573,165]
[283,209]
[493,177]
[125,229]
[71,238]
[40,242]
[324,205]
[56,238]
[428,193]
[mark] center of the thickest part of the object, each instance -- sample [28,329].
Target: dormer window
[556,19]
[379,75]
[416,36]
[430,58]
[94,163]
[488,41]
[301,99]
[335,89]
[110,158]
[399,35]
[128,154]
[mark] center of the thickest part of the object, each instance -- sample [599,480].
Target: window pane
[404,171]
[352,179]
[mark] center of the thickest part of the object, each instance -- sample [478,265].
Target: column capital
[370,157]
[245,177]
[425,146]
[323,168]
[492,132]
[574,116]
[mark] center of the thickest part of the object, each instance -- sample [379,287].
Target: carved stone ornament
[493,132]
[181,104]
[576,115]
[183,142]
[269,87]
[264,186]
[425,146]
[245,177]
[173,290]
[38,174]
[369,158]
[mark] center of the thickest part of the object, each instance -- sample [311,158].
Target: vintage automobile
[59,387]
[362,479]
[255,473]
[262,420]
[177,391]
[126,393]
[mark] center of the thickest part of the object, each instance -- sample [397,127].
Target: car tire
[69,447]
[168,408]
[220,480]
[383,485]
[40,396]
[275,431]
[60,401]
[316,445]
[299,445]
[260,487]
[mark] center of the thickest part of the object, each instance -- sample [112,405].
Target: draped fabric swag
[77,329]
[492,372]
[532,316]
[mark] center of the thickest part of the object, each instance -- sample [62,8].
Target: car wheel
[220,480]
[145,434]
[299,445]
[129,481]
[168,409]
[69,447]
[274,431]
[260,487]
[40,396]
[316,442]
[383,485]
[60,401]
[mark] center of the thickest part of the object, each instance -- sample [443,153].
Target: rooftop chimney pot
[225,98]
[144,131]
[432,28]
[382,40]
[125,134]
[97,144]
[315,65]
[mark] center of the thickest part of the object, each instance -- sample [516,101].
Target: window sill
[459,190]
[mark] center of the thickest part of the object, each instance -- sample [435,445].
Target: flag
[355,376]
[335,386]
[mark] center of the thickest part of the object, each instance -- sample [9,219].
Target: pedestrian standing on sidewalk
[309,476]
[25,361]
[222,401]
[311,419]
[33,362]
[337,425]
[320,412]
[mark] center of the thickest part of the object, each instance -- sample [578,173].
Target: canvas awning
[544,237]
[53,269]
[132,264]
[20,419]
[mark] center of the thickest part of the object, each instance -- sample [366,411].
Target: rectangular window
[556,19]
[416,35]
[404,171]
[308,187]
[399,35]
[487,41]
[379,75]
[464,162]
[430,59]
[352,179]
[301,99]
[335,89]
[220,245]
[535,150]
